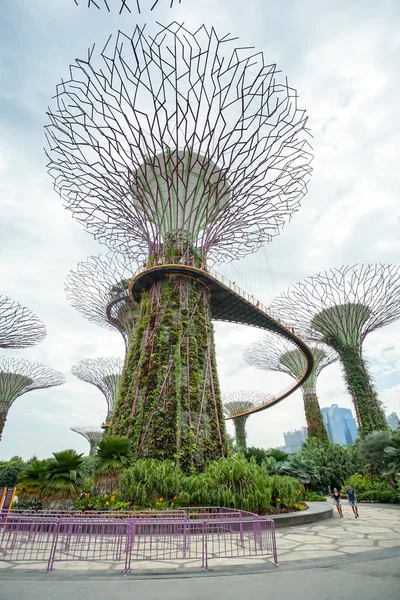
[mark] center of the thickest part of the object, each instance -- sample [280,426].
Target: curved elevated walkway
[230,304]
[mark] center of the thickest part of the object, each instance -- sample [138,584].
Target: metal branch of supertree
[274,353]
[104,373]
[19,326]
[126,5]
[178,138]
[98,289]
[345,303]
[239,401]
[18,376]
[93,435]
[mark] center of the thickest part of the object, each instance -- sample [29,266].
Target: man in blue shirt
[351,495]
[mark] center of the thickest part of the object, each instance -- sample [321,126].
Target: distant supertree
[341,307]
[105,374]
[126,5]
[98,289]
[177,148]
[273,353]
[17,377]
[19,327]
[93,435]
[236,403]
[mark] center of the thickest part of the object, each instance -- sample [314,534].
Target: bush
[385,496]
[311,496]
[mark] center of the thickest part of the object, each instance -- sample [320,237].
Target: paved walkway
[377,528]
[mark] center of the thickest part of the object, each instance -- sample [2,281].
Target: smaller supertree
[105,374]
[19,327]
[93,435]
[274,353]
[17,377]
[238,402]
[98,289]
[340,307]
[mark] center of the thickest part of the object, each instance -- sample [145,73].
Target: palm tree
[302,469]
[31,481]
[392,451]
[113,456]
[63,478]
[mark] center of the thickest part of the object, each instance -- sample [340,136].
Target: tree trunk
[315,423]
[240,432]
[169,401]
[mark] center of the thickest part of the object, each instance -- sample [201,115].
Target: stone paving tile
[355,549]
[389,543]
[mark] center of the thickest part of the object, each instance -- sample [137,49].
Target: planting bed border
[317,511]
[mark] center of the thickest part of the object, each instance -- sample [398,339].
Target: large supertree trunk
[368,407]
[3,418]
[240,432]
[315,423]
[169,401]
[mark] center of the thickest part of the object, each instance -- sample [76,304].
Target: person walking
[351,495]
[336,500]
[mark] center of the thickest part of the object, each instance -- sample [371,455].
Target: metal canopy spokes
[180,138]
[19,326]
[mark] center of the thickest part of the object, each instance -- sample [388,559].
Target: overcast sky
[341,56]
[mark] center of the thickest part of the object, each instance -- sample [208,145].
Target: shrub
[148,480]
[311,496]
[385,496]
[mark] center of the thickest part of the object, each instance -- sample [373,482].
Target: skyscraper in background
[340,424]
[392,420]
[294,440]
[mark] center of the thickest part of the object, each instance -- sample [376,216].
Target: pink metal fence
[226,534]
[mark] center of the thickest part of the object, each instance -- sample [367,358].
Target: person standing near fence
[336,499]
[351,495]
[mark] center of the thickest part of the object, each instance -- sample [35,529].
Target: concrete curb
[317,511]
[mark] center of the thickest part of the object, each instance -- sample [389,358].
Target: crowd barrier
[195,534]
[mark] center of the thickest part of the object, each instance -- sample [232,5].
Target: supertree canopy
[273,353]
[125,5]
[178,147]
[19,327]
[235,403]
[17,377]
[340,307]
[98,289]
[92,434]
[105,374]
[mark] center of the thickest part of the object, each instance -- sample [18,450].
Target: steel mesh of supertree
[19,326]
[237,402]
[93,435]
[105,374]
[17,377]
[178,136]
[340,307]
[124,6]
[178,148]
[98,289]
[273,353]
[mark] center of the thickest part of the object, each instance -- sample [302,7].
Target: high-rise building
[392,420]
[294,440]
[340,424]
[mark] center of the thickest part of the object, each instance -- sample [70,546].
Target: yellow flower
[161,499]
[107,503]
[112,498]
[172,503]
[115,493]
[175,497]
[278,499]
[87,495]
[105,495]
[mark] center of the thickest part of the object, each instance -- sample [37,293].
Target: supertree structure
[235,403]
[180,149]
[105,374]
[19,327]
[340,307]
[98,289]
[92,434]
[125,5]
[273,353]
[17,377]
